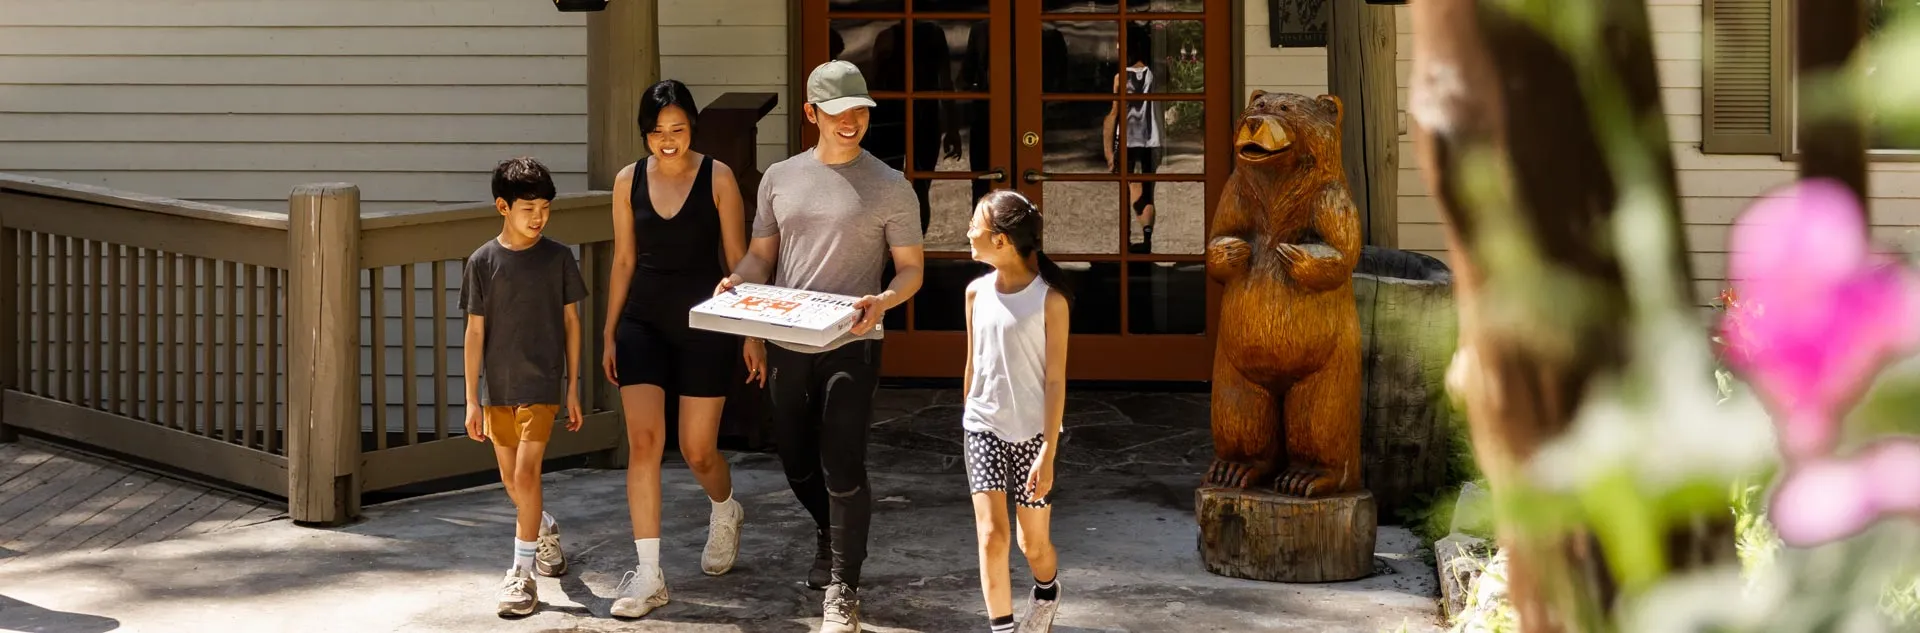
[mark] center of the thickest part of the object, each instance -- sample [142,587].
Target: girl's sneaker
[1040,612]
[640,592]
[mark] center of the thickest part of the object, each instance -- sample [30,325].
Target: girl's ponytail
[1051,273]
[1016,217]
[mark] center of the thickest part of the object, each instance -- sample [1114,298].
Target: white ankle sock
[717,505]
[649,551]
[523,554]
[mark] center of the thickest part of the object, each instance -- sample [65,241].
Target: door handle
[998,174]
[1036,176]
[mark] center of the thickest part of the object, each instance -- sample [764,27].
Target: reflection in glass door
[1097,111]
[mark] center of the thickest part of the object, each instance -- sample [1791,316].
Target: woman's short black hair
[669,92]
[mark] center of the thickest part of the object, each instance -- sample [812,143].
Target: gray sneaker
[723,538]
[1040,612]
[841,611]
[518,594]
[548,560]
[640,592]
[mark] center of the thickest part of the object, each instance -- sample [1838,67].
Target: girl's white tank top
[1006,394]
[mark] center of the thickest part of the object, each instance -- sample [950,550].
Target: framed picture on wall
[1298,23]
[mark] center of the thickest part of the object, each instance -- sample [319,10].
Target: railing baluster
[209,407]
[275,316]
[99,317]
[409,418]
[251,386]
[440,350]
[232,317]
[57,296]
[43,259]
[589,337]
[76,292]
[181,352]
[116,290]
[378,347]
[150,327]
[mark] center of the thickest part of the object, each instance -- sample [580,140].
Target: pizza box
[779,314]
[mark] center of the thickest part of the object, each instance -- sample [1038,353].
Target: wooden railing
[413,427]
[313,354]
[145,326]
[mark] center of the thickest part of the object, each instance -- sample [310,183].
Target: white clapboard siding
[1714,189]
[721,46]
[236,102]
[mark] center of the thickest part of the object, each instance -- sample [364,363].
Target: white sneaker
[518,594]
[1040,612]
[723,538]
[641,591]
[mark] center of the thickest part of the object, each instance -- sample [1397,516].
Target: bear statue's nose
[1261,138]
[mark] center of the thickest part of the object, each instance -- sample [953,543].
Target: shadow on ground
[16,615]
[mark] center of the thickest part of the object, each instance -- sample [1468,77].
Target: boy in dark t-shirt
[521,296]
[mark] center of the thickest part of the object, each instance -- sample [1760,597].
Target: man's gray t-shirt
[837,224]
[523,296]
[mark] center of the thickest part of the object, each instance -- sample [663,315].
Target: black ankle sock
[1046,590]
[1003,624]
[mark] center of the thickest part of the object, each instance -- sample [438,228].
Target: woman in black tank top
[678,225]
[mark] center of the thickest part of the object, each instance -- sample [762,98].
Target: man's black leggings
[822,406]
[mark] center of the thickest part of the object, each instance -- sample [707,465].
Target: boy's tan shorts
[509,425]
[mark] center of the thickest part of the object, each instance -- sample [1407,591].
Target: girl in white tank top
[1016,395]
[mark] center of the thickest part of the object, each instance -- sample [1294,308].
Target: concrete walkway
[1123,525]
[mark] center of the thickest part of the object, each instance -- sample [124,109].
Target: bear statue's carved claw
[1227,258]
[1226,474]
[1307,482]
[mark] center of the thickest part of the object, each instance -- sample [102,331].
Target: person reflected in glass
[1145,131]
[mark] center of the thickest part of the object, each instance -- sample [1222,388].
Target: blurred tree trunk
[1487,82]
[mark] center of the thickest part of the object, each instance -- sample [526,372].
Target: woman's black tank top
[677,259]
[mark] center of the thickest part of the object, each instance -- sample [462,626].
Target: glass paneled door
[1096,110]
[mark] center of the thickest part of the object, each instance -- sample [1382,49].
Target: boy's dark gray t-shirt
[523,295]
[837,225]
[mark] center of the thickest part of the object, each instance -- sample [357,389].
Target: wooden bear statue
[1286,369]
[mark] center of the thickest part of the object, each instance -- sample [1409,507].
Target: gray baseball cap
[837,85]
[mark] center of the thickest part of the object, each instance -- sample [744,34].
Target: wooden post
[1360,71]
[622,62]
[1828,32]
[10,342]
[323,353]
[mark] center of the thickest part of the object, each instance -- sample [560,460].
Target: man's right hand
[727,284]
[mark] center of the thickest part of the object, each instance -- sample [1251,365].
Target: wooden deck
[57,500]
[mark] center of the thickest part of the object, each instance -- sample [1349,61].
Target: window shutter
[1744,87]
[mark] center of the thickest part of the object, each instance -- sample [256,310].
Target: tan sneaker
[1040,612]
[548,560]
[841,612]
[723,538]
[640,592]
[518,594]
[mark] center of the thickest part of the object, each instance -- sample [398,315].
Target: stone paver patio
[1123,525]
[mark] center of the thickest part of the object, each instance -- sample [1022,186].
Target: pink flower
[1825,499]
[1834,312]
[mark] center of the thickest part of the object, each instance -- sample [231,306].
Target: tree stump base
[1261,535]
